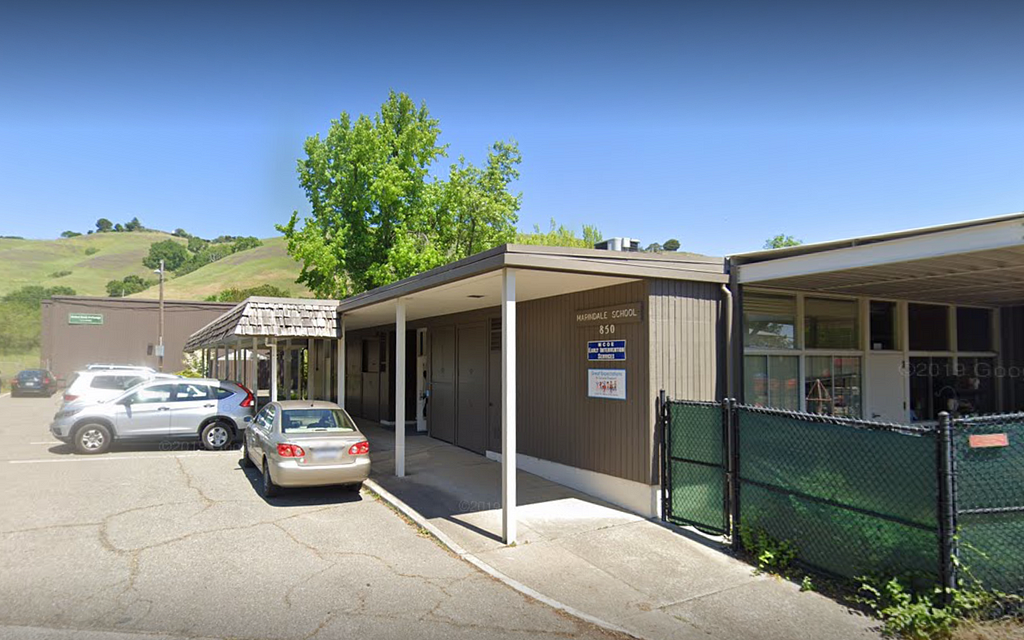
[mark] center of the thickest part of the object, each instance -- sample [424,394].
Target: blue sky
[717,123]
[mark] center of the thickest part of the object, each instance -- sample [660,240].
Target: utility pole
[160,345]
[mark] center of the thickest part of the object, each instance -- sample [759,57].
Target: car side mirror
[126,401]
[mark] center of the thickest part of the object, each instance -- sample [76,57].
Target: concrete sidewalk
[651,580]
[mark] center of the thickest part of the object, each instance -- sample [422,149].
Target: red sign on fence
[989,440]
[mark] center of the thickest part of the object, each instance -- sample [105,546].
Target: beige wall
[129,327]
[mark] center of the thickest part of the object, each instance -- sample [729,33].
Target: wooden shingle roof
[269,317]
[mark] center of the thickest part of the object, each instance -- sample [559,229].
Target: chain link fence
[854,497]
[989,471]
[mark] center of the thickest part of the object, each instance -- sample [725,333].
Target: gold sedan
[303,443]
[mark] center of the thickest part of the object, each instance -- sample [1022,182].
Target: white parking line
[47,442]
[203,454]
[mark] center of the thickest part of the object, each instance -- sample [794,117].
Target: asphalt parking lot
[166,541]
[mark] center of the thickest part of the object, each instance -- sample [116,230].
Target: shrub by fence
[854,497]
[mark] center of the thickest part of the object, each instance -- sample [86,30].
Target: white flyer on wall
[606,383]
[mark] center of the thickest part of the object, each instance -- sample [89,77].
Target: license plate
[326,453]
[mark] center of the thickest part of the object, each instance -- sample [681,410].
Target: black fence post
[946,505]
[733,471]
[664,419]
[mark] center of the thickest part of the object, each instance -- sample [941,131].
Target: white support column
[508,406]
[399,368]
[273,371]
[310,369]
[219,366]
[255,369]
[341,363]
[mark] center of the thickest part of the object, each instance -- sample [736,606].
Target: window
[832,386]
[191,391]
[769,321]
[883,326]
[772,381]
[973,329]
[830,324]
[157,393]
[975,386]
[932,387]
[107,382]
[223,393]
[929,327]
[310,420]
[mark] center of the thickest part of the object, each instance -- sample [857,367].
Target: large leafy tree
[781,241]
[378,215]
[172,252]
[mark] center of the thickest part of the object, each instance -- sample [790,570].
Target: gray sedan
[304,443]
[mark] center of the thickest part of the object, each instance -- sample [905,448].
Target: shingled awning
[269,317]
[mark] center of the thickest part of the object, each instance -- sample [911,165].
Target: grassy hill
[35,262]
[269,264]
[116,255]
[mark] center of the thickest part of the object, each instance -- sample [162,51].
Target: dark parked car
[38,382]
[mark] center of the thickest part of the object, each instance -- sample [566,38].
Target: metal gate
[696,483]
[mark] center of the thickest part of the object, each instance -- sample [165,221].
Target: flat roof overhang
[475,282]
[979,262]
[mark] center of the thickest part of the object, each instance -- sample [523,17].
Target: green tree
[671,245]
[378,216]
[69,234]
[118,228]
[196,244]
[654,247]
[781,241]
[128,285]
[133,225]
[173,253]
[103,225]
[561,236]
[243,244]
[206,254]
[20,316]
[237,295]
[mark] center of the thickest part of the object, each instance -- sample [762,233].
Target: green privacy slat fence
[854,497]
[696,466]
[990,499]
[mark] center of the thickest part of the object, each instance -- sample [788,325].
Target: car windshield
[315,421]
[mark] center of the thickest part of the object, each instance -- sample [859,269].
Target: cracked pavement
[163,541]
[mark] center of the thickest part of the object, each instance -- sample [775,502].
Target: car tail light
[46,381]
[290,451]
[359,448]
[69,398]
[248,397]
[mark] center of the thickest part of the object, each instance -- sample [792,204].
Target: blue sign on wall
[606,350]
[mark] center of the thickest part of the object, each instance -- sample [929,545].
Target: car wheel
[246,462]
[215,436]
[92,438]
[269,489]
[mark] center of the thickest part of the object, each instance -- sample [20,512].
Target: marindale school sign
[615,314]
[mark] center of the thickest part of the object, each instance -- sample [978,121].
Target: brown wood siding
[674,346]
[687,347]
[556,419]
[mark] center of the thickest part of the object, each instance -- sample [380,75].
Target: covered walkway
[634,573]
[280,348]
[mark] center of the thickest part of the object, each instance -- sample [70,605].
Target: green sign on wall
[85,318]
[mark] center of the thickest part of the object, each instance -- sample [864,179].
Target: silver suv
[215,411]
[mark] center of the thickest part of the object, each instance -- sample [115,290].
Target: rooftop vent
[619,244]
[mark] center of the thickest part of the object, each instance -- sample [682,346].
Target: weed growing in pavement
[772,555]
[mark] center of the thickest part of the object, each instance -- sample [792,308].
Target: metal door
[471,419]
[441,408]
[886,381]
